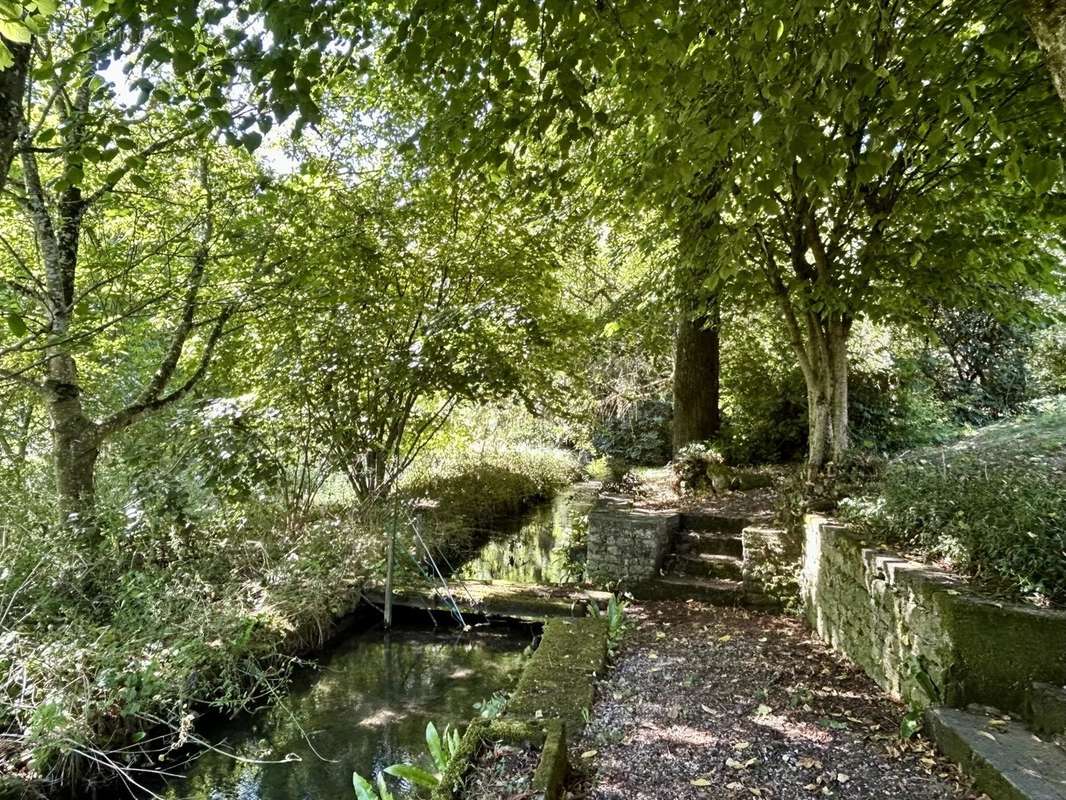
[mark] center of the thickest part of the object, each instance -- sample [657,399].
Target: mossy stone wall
[923,635]
[627,545]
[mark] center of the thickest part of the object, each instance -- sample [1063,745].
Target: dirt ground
[708,703]
[657,490]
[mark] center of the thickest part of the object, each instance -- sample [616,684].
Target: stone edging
[919,631]
[551,700]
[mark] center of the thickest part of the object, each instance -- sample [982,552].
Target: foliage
[210,617]
[479,485]
[893,407]
[615,614]
[638,433]
[990,505]
[444,319]
[983,367]
[763,398]
[442,749]
[493,706]
[832,160]
[700,466]
[365,790]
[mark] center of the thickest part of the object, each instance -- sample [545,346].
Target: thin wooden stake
[388,569]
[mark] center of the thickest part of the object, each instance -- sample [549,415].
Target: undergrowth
[991,505]
[102,675]
[482,484]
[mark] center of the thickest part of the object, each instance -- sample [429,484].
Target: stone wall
[627,545]
[922,634]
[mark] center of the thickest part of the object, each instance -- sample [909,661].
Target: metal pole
[388,569]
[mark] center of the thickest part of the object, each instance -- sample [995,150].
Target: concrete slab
[1005,759]
[496,598]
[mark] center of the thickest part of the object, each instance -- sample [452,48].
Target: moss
[559,681]
[554,692]
[548,736]
[551,771]
[1003,648]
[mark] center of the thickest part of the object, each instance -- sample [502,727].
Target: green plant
[481,483]
[700,466]
[615,615]
[990,505]
[365,790]
[442,749]
[493,706]
[635,433]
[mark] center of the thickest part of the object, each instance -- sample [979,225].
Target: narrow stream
[367,702]
[364,707]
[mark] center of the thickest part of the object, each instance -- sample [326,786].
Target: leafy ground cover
[991,505]
[503,771]
[709,703]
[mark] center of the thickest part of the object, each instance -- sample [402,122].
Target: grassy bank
[991,505]
[105,676]
[481,484]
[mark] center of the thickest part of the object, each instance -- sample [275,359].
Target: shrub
[700,466]
[993,505]
[479,485]
[638,434]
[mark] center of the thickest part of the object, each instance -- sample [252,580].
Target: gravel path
[709,703]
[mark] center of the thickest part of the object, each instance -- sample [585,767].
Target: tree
[802,139]
[85,166]
[414,292]
[246,64]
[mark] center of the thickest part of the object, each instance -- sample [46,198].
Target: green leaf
[433,743]
[16,324]
[416,775]
[364,790]
[1042,173]
[779,29]
[251,141]
[383,790]
[15,31]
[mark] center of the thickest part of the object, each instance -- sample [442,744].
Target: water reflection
[365,708]
[547,545]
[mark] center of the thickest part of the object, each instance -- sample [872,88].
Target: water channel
[366,702]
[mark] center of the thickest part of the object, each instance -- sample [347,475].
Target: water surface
[366,706]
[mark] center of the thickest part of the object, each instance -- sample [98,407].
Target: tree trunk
[76,447]
[696,376]
[12,92]
[825,370]
[838,382]
[1048,21]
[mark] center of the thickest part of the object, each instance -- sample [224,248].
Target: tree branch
[138,410]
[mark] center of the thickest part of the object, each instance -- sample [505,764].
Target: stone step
[713,523]
[1047,708]
[715,544]
[706,565]
[1006,760]
[712,590]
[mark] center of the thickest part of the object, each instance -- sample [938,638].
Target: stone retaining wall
[627,545]
[922,634]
